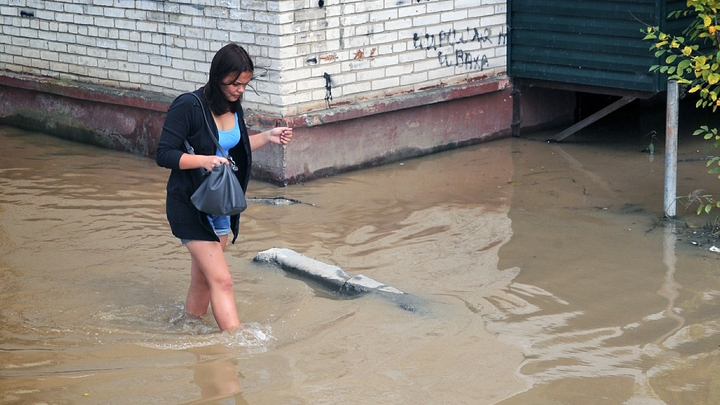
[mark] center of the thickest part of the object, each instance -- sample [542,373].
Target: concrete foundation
[103,116]
[335,140]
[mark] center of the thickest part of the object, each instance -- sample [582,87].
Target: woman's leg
[211,282]
[198,297]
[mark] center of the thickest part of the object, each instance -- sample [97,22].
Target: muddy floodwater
[540,274]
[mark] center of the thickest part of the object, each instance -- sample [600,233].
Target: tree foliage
[693,60]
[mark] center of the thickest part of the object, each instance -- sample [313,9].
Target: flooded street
[540,274]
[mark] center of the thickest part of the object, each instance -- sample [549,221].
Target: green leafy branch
[705,202]
[693,66]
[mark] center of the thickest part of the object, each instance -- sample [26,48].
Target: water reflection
[670,288]
[215,373]
[598,256]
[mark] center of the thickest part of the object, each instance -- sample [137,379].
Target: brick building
[363,82]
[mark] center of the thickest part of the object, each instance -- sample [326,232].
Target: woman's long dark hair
[230,59]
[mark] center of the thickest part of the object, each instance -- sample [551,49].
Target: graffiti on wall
[455,39]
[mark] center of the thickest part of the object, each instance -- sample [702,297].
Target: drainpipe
[517,108]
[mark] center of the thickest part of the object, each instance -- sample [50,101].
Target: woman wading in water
[205,236]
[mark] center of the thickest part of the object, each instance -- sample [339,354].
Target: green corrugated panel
[587,42]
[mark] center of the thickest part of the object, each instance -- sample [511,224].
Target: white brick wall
[370,48]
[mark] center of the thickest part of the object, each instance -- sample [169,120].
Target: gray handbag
[220,192]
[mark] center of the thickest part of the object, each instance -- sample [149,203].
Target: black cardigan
[184,120]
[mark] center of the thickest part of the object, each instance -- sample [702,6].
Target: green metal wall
[586,42]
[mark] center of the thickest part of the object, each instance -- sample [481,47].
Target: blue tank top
[230,138]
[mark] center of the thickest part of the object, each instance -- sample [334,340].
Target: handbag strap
[207,123]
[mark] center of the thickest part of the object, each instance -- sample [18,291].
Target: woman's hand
[208,162]
[280,135]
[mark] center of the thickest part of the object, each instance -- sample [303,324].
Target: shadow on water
[545,272]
